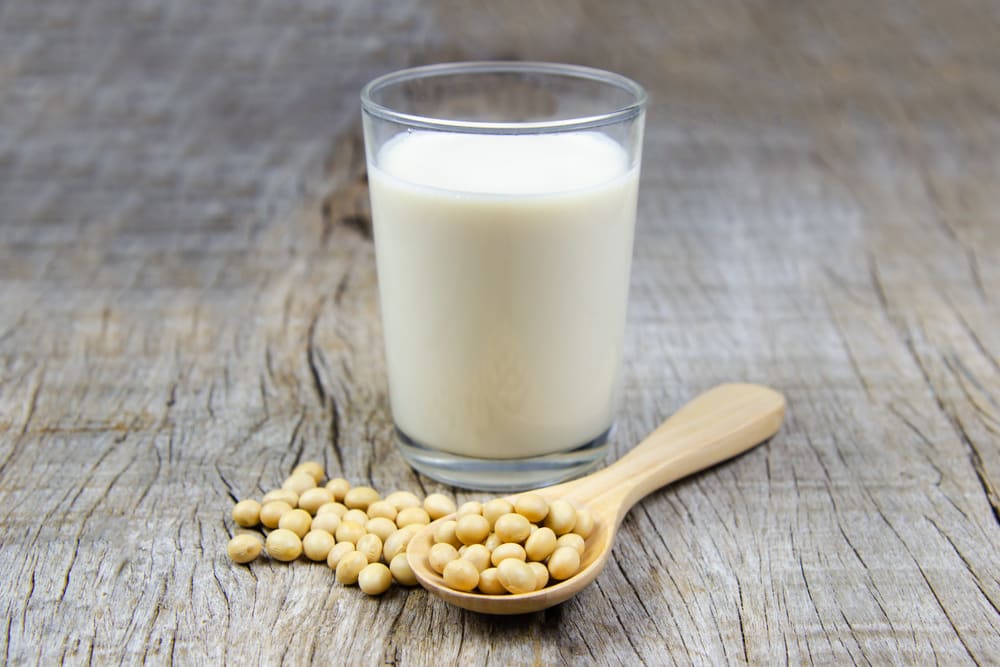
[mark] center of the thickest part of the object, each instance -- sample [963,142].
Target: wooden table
[188,308]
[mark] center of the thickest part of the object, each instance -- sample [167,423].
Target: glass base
[504,475]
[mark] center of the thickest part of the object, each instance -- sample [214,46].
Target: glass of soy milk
[503,203]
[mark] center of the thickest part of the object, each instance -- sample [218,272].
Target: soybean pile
[492,548]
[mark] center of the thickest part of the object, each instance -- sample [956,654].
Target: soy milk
[503,265]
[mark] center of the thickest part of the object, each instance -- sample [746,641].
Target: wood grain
[188,308]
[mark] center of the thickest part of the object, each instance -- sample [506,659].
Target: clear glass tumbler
[503,202]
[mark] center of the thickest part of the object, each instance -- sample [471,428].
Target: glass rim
[616,115]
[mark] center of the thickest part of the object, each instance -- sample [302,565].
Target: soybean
[401,570]
[540,544]
[339,488]
[360,497]
[297,521]
[382,508]
[478,555]
[371,546]
[289,497]
[505,551]
[381,526]
[375,579]
[244,548]
[472,529]
[412,516]
[564,563]
[440,555]
[246,513]
[532,507]
[271,513]
[512,528]
[541,575]
[571,540]
[495,509]
[316,545]
[402,499]
[340,550]
[328,522]
[461,575]
[284,545]
[445,532]
[312,499]
[489,582]
[348,531]
[299,482]
[350,567]
[561,517]
[438,505]
[312,468]
[359,517]
[516,576]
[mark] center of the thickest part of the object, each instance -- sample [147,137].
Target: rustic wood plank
[188,308]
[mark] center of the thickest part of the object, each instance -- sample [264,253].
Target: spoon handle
[717,425]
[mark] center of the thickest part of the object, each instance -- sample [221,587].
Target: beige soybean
[495,509]
[505,551]
[299,482]
[287,496]
[350,567]
[516,576]
[338,487]
[349,531]
[541,575]
[402,499]
[381,526]
[489,582]
[312,499]
[540,544]
[445,532]
[312,468]
[359,517]
[571,540]
[561,517]
[271,513]
[401,570]
[438,505]
[396,543]
[492,542]
[478,554]
[461,575]
[328,522]
[531,506]
[471,507]
[382,508]
[472,529]
[284,545]
[338,509]
[584,523]
[316,545]
[244,548]
[440,555]
[375,579]
[246,513]
[297,521]
[340,550]
[410,516]
[360,497]
[512,528]
[371,546]
[564,563]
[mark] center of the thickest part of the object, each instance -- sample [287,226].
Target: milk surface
[503,266]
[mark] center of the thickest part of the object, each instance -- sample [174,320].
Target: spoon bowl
[717,425]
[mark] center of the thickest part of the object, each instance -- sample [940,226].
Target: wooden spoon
[721,423]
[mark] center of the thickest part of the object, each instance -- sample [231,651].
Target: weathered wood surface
[188,307]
